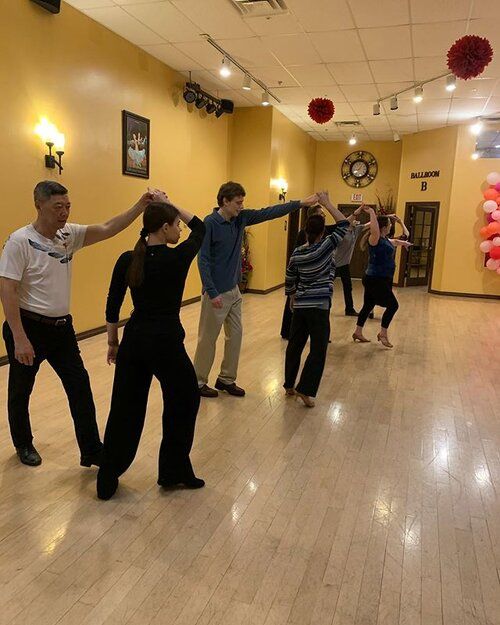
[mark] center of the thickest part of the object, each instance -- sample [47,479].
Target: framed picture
[135,145]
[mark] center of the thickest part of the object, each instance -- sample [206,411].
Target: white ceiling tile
[90,4]
[343,110]
[387,43]
[386,89]
[333,92]
[493,106]
[472,106]
[363,108]
[208,81]
[311,75]
[234,81]
[435,90]
[360,93]
[428,67]
[381,136]
[201,52]
[284,24]
[481,87]
[321,15]
[351,73]
[219,19]
[274,76]
[397,70]
[124,25]
[127,2]
[434,107]
[293,95]
[405,108]
[172,57]
[379,122]
[250,52]
[436,39]
[238,97]
[339,46]
[292,49]
[425,11]
[166,20]
[485,8]
[384,13]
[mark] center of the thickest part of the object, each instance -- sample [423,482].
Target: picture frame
[135,145]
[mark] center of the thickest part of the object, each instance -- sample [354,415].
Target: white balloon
[493,264]
[489,206]
[496,241]
[493,177]
[485,246]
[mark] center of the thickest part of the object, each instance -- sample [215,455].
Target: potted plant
[246,265]
[386,204]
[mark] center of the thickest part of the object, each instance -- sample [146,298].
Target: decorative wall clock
[359,169]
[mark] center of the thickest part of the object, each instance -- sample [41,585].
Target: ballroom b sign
[417,175]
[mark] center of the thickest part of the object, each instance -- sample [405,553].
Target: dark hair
[230,190]
[315,226]
[383,221]
[46,189]
[313,210]
[155,216]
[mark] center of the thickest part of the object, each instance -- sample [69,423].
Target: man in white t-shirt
[35,281]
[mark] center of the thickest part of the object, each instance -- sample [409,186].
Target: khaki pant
[211,321]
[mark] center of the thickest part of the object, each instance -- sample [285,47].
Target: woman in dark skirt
[379,274]
[152,345]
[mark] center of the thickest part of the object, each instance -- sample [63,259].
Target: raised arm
[398,220]
[252,217]
[324,200]
[374,236]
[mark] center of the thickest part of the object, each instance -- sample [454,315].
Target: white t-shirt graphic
[43,267]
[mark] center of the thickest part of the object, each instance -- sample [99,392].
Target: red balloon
[498,199]
[490,194]
[493,228]
[484,232]
[495,253]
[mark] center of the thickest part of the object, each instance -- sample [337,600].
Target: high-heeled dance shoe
[361,339]
[308,401]
[384,340]
[289,392]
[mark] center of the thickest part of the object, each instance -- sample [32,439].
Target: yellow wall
[80,75]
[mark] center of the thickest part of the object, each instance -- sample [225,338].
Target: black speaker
[227,106]
[54,6]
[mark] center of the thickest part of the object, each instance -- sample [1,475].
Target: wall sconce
[282,185]
[52,139]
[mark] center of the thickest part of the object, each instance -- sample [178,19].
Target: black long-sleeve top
[165,271]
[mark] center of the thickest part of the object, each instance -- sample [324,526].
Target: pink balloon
[489,206]
[489,217]
[485,246]
[498,271]
[492,178]
[496,241]
[495,215]
[492,264]
[497,186]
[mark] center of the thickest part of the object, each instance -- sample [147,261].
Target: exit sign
[357,197]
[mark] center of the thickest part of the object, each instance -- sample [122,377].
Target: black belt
[51,321]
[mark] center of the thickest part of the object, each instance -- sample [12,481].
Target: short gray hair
[46,189]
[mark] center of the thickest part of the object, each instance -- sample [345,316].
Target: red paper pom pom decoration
[469,55]
[321,110]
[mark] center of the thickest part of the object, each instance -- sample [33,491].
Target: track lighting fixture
[265,98]
[202,99]
[189,93]
[451,83]
[352,139]
[219,112]
[210,108]
[376,108]
[394,103]
[419,94]
[247,82]
[396,136]
[225,69]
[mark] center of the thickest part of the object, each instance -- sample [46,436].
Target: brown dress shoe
[206,391]
[232,389]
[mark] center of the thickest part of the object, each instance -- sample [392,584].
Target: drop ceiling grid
[175,39]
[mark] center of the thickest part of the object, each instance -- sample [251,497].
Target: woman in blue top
[378,278]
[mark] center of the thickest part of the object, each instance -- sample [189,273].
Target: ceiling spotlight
[394,103]
[265,98]
[211,106]
[189,95]
[247,83]
[219,112]
[201,101]
[419,94]
[225,69]
[451,83]
[474,156]
[352,139]
[477,127]
[376,108]
[396,136]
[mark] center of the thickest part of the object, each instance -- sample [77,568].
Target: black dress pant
[378,291]
[313,323]
[57,345]
[143,354]
[343,272]
[286,321]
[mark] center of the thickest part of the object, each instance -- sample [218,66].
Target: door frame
[404,254]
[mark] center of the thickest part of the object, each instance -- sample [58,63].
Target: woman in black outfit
[378,278]
[152,345]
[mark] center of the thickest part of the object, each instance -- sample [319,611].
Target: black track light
[211,106]
[189,95]
[219,112]
[201,101]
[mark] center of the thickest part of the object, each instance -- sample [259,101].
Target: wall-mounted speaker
[54,6]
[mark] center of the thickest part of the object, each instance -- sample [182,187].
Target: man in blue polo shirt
[219,262]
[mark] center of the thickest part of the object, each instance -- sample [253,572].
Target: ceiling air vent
[260,8]
[343,124]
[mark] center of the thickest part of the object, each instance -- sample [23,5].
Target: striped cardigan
[311,271]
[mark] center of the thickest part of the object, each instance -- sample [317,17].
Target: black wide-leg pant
[313,323]
[378,291]
[143,354]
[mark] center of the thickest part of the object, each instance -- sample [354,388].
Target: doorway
[421,219]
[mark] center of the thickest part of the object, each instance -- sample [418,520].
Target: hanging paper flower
[321,110]
[469,55]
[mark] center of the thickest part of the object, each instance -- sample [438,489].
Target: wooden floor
[379,506]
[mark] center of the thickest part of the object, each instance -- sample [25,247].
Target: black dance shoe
[28,455]
[107,483]
[188,482]
[91,459]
